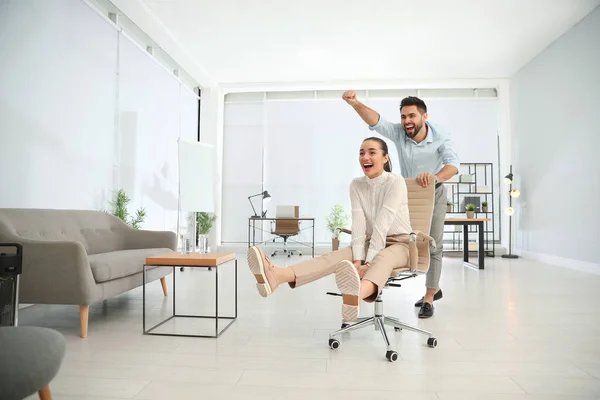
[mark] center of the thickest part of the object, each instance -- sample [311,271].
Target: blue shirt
[431,155]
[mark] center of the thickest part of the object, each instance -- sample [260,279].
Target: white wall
[556,137]
[84,112]
[305,152]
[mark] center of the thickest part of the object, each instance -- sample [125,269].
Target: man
[424,153]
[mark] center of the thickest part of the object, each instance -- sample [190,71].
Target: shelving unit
[473,184]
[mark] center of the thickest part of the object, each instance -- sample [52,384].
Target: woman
[379,216]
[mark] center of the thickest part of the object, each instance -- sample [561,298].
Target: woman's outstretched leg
[269,277]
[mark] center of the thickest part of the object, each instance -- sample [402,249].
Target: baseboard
[577,265]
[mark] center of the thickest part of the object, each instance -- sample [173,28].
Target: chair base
[289,252]
[379,321]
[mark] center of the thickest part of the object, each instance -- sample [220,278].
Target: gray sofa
[80,257]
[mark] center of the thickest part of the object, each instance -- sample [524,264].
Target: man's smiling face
[412,120]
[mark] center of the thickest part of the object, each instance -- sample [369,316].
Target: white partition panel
[242,168]
[149,113]
[57,113]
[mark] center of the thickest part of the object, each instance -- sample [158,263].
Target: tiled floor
[517,330]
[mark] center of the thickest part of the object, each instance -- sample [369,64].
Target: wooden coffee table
[175,260]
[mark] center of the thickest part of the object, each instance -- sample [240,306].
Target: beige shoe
[262,268]
[348,282]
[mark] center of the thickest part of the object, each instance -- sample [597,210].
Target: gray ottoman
[30,358]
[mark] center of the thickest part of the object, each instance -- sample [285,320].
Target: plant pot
[484,208]
[448,208]
[202,246]
[470,214]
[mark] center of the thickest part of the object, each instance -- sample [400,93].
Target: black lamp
[266,197]
[508,179]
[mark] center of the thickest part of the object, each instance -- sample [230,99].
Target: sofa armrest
[56,272]
[144,239]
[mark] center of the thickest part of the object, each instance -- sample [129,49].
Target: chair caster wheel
[344,325]
[397,329]
[289,256]
[299,253]
[181,269]
[334,343]
[432,342]
[391,355]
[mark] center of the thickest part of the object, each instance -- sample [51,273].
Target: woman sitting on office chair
[379,217]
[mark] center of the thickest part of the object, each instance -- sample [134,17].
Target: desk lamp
[266,198]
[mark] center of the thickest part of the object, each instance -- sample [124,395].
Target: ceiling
[228,42]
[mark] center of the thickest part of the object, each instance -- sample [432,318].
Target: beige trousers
[393,256]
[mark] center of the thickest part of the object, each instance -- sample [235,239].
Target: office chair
[420,205]
[286,225]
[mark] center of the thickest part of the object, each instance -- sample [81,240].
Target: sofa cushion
[122,263]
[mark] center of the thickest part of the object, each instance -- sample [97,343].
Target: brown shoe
[348,282]
[262,268]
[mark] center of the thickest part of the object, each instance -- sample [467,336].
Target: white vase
[470,214]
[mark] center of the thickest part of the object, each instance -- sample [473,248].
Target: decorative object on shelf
[514,193]
[466,178]
[266,197]
[470,210]
[337,219]
[449,205]
[484,206]
[119,210]
[196,185]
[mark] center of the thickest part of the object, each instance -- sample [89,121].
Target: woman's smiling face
[372,159]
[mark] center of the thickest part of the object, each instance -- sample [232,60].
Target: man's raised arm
[370,116]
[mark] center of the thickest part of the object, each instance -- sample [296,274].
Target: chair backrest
[284,226]
[420,205]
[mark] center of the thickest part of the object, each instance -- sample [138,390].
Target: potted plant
[337,219]
[119,210]
[484,206]
[470,210]
[204,222]
[449,205]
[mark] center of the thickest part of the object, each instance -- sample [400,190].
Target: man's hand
[425,179]
[349,97]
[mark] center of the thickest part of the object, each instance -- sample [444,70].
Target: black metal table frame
[252,227]
[480,244]
[216,317]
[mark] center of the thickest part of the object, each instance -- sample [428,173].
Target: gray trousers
[437,233]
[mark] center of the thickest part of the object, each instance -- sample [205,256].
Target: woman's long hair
[384,148]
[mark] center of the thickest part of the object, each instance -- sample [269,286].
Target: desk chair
[420,204]
[286,225]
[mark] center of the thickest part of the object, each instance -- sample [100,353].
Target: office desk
[252,227]
[465,222]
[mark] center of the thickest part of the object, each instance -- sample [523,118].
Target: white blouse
[379,209]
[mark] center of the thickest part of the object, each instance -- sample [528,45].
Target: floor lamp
[196,183]
[514,193]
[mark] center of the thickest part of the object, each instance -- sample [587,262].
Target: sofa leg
[83,320]
[45,393]
[163,282]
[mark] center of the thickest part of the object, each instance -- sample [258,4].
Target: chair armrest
[56,272]
[145,239]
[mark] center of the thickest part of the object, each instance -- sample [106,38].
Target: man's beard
[416,130]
